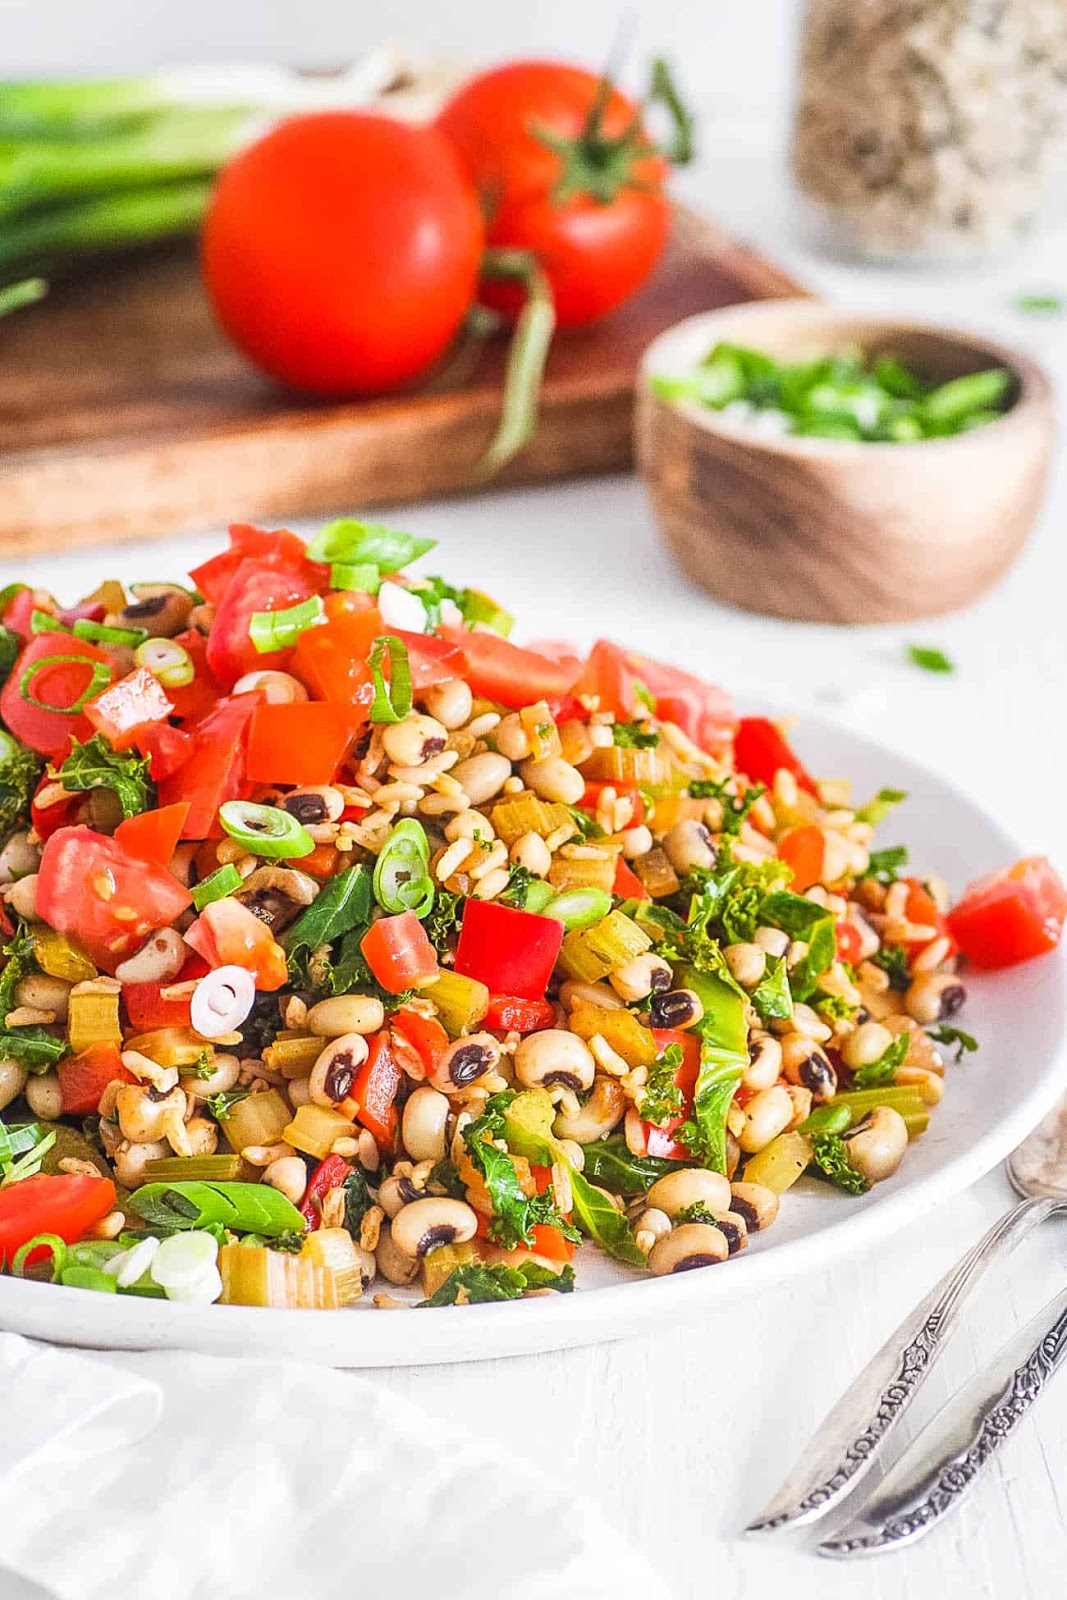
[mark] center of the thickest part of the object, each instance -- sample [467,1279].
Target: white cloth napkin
[169,1476]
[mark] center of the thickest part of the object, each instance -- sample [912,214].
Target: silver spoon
[941,1464]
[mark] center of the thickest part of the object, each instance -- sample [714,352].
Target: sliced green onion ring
[364,577]
[538,895]
[279,630]
[353,543]
[402,879]
[265,830]
[40,1241]
[99,679]
[44,622]
[166,660]
[217,887]
[391,702]
[88,1278]
[579,908]
[103,633]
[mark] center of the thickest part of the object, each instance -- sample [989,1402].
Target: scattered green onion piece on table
[40,1241]
[99,678]
[279,630]
[1041,305]
[930,659]
[166,660]
[221,883]
[391,702]
[347,542]
[402,879]
[265,830]
[578,908]
[362,577]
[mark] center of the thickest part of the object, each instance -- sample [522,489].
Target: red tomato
[921,909]
[278,548]
[84,1077]
[253,587]
[398,952]
[332,659]
[849,942]
[300,743]
[804,851]
[341,251]
[124,708]
[109,900]
[226,934]
[214,769]
[509,1013]
[597,245]
[609,676]
[627,885]
[146,1009]
[67,1205]
[702,710]
[432,660]
[760,751]
[375,1089]
[502,671]
[167,748]
[154,835]
[68,684]
[193,701]
[424,1035]
[1011,915]
[512,952]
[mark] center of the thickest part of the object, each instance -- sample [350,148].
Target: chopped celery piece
[260,1119]
[439,1264]
[461,1002]
[620,1028]
[295,1055]
[335,1249]
[652,768]
[525,813]
[903,1098]
[589,954]
[314,1130]
[595,872]
[201,1169]
[171,1047]
[60,957]
[257,1276]
[93,1019]
[779,1164]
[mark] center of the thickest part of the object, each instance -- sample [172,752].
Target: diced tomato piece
[760,751]
[804,852]
[332,659]
[424,1035]
[340,602]
[108,899]
[849,942]
[154,835]
[399,953]
[329,1174]
[432,660]
[509,1013]
[226,934]
[84,1077]
[61,683]
[121,710]
[565,708]
[608,675]
[215,769]
[502,671]
[661,1141]
[254,587]
[278,548]
[67,1204]
[1011,915]
[167,748]
[702,710]
[18,613]
[510,951]
[147,1010]
[624,791]
[193,701]
[627,885]
[300,743]
[375,1089]
[921,909]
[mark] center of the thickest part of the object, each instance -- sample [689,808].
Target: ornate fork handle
[853,1434]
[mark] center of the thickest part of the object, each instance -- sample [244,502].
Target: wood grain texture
[123,413]
[825,531]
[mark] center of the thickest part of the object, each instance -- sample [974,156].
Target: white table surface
[682,1436]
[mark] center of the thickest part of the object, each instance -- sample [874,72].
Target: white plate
[992,1100]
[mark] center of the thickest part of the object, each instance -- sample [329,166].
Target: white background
[682,1436]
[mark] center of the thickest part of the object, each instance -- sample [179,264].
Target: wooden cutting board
[123,412]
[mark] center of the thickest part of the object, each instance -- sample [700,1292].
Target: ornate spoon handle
[943,1463]
[854,1432]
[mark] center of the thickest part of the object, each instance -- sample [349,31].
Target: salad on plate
[351,949]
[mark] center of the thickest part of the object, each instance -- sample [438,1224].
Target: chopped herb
[516,890]
[697,1212]
[19,771]
[22,1149]
[929,659]
[203,1066]
[661,1098]
[948,1035]
[611,1165]
[635,736]
[358,1200]
[884,865]
[812,924]
[220,1105]
[829,1156]
[881,1073]
[588,827]
[515,1214]
[772,996]
[474,1284]
[95,765]
[893,959]
[446,1173]
[444,919]
[876,810]
[832,1008]
[735,807]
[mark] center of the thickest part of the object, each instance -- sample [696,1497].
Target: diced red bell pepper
[147,1010]
[84,1077]
[375,1088]
[804,852]
[134,702]
[332,659]
[61,683]
[509,1013]
[760,751]
[167,748]
[300,743]
[226,933]
[512,952]
[215,769]
[548,1244]
[67,1204]
[502,671]
[922,910]
[424,1035]
[329,1174]
[253,587]
[627,885]
[154,835]
[399,953]
[109,900]
[661,1141]
[1011,915]
[849,942]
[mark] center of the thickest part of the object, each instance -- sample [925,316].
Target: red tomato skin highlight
[341,252]
[121,711]
[89,887]
[1012,915]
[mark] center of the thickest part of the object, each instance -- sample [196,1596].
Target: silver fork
[944,1461]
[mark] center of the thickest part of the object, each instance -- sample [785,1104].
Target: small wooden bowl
[827,530]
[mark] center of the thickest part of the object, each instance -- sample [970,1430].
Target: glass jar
[931,129]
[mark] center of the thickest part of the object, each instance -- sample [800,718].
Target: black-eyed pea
[933,996]
[764,1062]
[594,994]
[426,1224]
[13,1078]
[806,1065]
[600,1114]
[424,1124]
[41,992]
[20,855]
[391,1261]
[806,1020]
[801,1098]
[637,842]
[315,805]
[289,1176]
[677,1008]
[733,1154]
[650,1225]
[225,1073]
[511,738]
[554,1059]
[694,1244]
[747,963]
[688,846]
[130,1160]
[44,1095]
[929,1084]
[450,702]
[865,1045]
[758,1205]
[464,1062]
[396,1192]
[346,1013]
[690,1186]
[772,941]
[335,1070]
[414,740]
[21,896]
[482,776]
[532,852]
[298,1091]
[159,960]
[767,1115]
[876,1145]
[552,778]
[644,975]
[734,1228]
